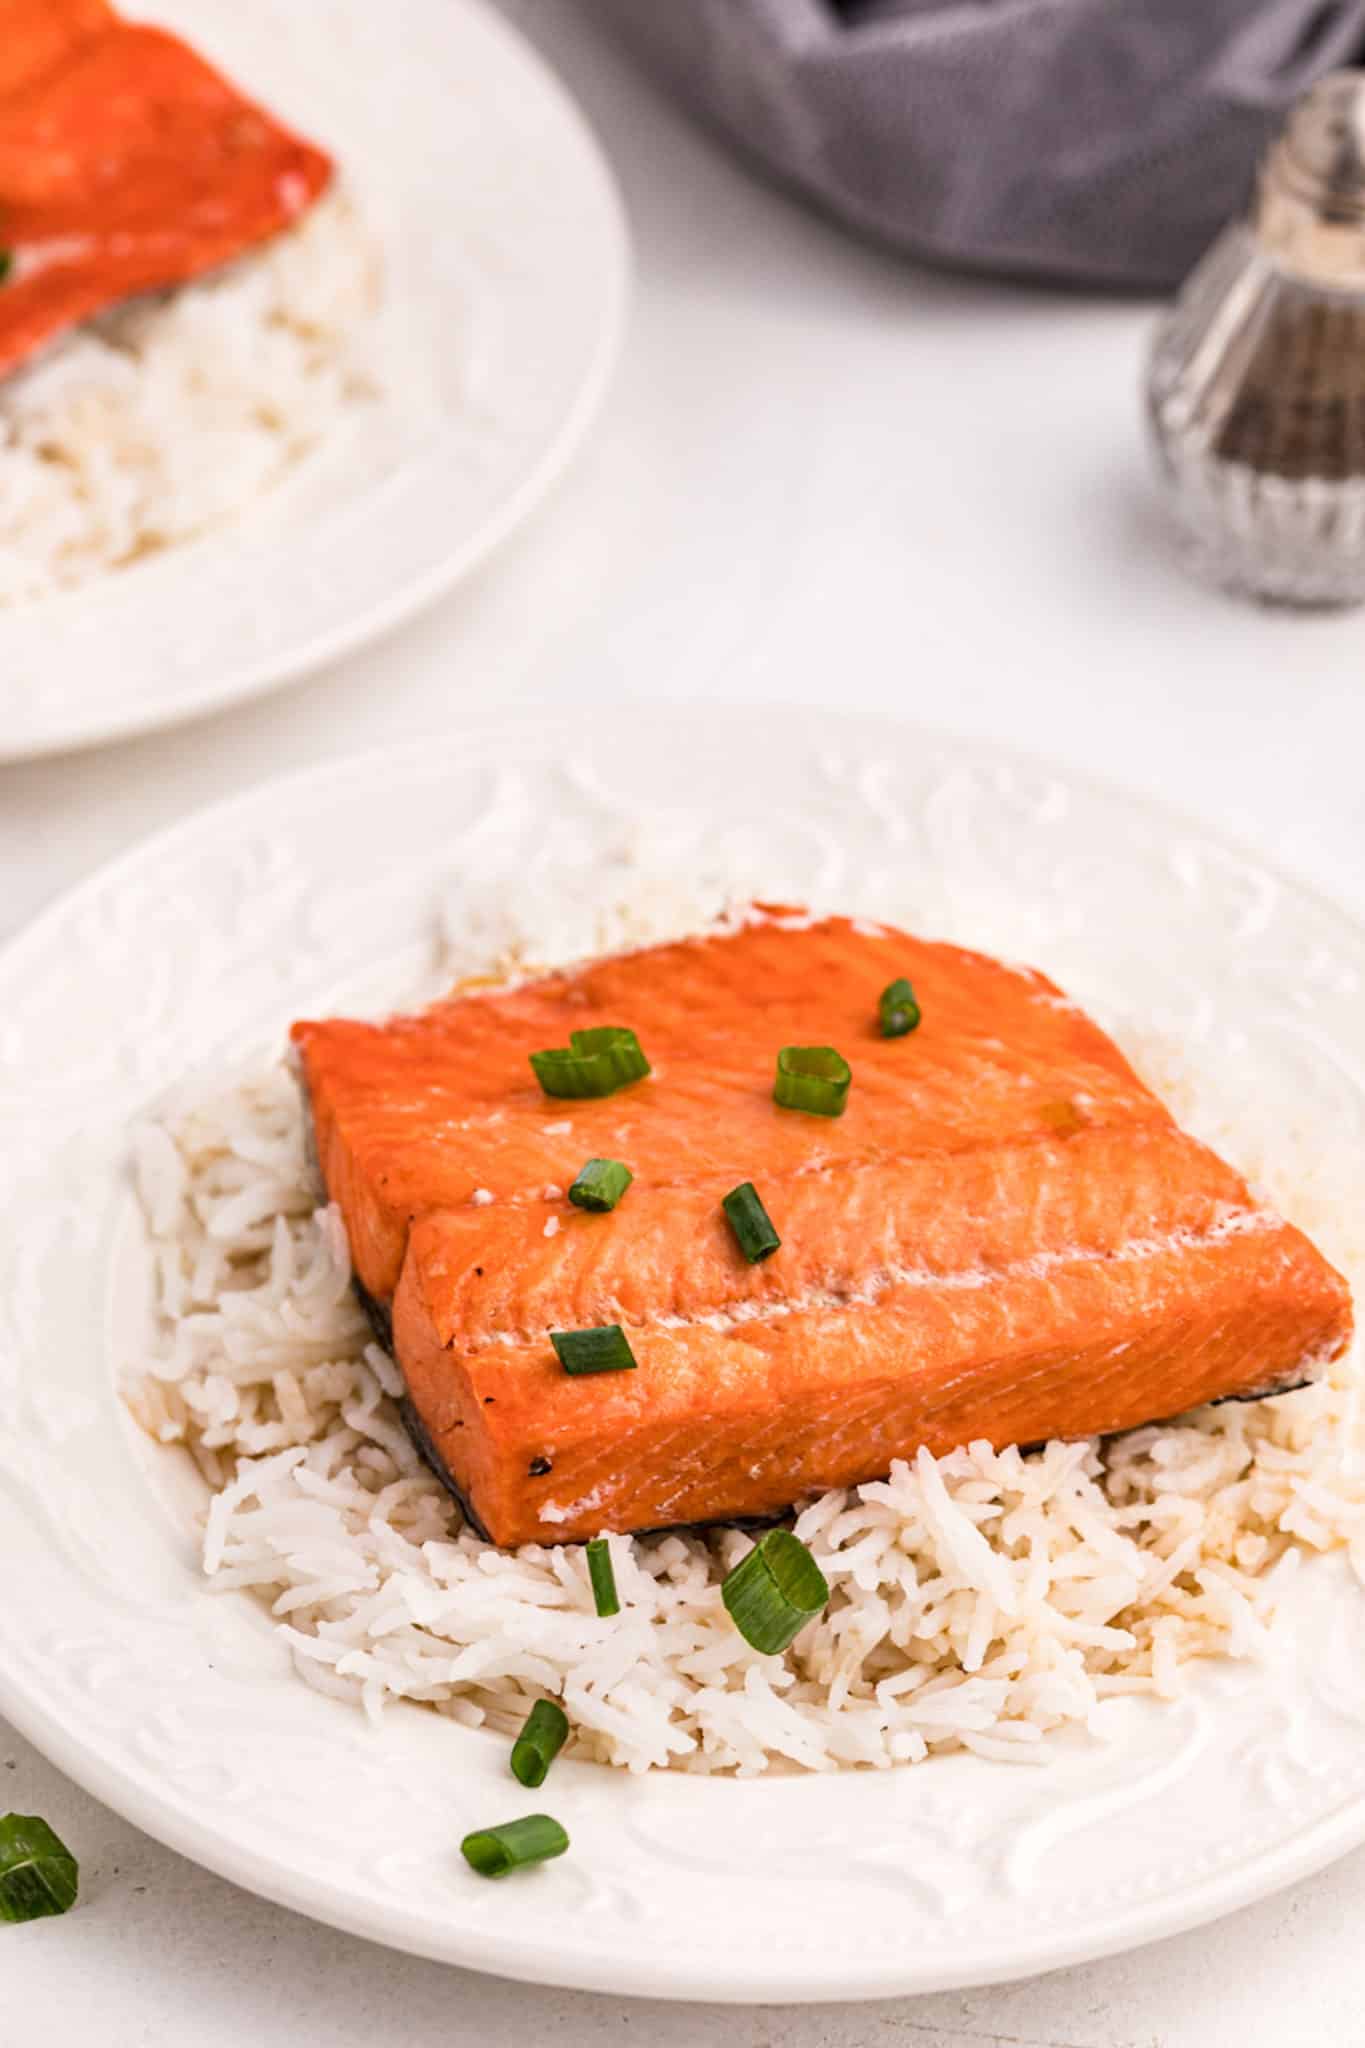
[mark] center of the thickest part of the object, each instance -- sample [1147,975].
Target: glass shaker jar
[1256,383]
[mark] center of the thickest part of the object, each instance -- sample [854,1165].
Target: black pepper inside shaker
[1256,385]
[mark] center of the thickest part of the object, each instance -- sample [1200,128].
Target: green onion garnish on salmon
[751,1223]
[39,1875]
[602,1575]
[898,1013]
[595,1062]
[814,1078]
[544,1734]
[587,1351]
[600,1184]
[773,1592]
[495,1851]
[846,1340]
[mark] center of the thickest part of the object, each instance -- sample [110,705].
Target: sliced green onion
[38,1873]
[495,1851]
[812,1077]
[603,1577]
[600,1184]
[751,1223]
[773,1592]
[897,1011]
[545,1733]
[6,263]
[585,1351]
[595,1062]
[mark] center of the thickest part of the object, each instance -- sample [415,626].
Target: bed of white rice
[979,1600]
[173,412]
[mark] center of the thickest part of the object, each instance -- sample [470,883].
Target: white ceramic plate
[176,1706]
[505,257]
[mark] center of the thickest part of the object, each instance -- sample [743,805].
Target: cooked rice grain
[979,1600]
[172,412]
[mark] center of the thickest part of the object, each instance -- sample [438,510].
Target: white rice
[979,1600]
[172,412]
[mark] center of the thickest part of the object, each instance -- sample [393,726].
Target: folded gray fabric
[1087,139]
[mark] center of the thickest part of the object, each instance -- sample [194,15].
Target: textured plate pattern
[177,1706]
[505,257]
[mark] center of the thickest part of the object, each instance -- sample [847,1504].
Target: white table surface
[827,477]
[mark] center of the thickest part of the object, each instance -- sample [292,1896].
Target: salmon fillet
[127,164]
[35,35]
[1005,1236]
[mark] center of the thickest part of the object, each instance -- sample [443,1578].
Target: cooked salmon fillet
[1005,1235]
[35,35]
[127,164]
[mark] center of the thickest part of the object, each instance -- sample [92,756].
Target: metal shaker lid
[1310,213]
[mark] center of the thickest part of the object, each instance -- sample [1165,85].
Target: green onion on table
[39,1876]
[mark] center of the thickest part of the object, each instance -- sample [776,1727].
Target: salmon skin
[1005,1236]
[127,164]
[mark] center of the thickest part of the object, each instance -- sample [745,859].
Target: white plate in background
[505,256]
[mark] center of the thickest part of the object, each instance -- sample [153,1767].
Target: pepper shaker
[1256,383]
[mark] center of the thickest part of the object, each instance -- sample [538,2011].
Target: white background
[822,476]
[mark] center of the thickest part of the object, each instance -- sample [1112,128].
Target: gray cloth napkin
[1105,140]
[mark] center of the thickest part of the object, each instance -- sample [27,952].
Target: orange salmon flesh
[1005,1236]
[127,164]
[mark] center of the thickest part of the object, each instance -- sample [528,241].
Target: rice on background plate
[173,412]
[979,1600]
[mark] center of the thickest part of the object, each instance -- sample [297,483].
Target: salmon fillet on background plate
[1004,1235]
[127,164]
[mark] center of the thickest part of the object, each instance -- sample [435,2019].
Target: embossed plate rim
[634,1836]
